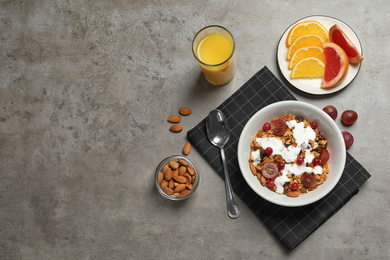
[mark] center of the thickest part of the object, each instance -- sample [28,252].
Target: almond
[165,167]
[263,180]
[182,170]
[171,184]
[176,128]
[253,168]
[175,173]
[182,162]
[179,188]
[174,165]
[191,170]
[185,192]
[168,174]
[293,193]
[185,111]
[188,177]
[168,191]
[187,148]
[164,184]
[160,177]
[174,119]
[177,194]
[180,179]
[189,186]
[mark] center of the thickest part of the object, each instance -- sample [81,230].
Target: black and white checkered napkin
[290,225]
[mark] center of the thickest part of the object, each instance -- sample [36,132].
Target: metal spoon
[218,132]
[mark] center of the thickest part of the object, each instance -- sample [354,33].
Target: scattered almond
[176,128]
[187,148]
[174,119]
[185,111]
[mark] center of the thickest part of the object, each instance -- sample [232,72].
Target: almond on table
[185,111]
[174,119]
[176,128]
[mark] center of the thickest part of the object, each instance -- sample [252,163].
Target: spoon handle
[232,206]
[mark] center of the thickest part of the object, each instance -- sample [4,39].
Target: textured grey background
[85,91]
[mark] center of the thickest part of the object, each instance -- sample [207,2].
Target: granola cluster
[293,164]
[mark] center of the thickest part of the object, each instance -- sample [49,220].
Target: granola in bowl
[289,156]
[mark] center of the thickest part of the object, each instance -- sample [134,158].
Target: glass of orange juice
[213,47]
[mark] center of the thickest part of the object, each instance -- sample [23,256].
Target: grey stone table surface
[86,88]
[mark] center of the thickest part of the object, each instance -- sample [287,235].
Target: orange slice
[307,28]
[308,68]
[304,41]
[337,36]
[306,52]
[336,65]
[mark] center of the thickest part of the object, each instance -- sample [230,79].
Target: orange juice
[213,47]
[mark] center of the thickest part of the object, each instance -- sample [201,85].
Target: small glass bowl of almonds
[176,178]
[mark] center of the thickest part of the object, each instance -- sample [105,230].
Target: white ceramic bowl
[326,125]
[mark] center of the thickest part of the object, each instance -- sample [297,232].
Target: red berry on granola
[316,161]
[281,166]
[268,150]
[271,183]
[300,160]
[266,126]
[314,125]
[294,186]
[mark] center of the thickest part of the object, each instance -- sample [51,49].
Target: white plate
[326,125]
[313,86]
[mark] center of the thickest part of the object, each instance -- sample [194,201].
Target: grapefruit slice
[306,52]
[304,41]
[307,28]
[336,65]
[308,68]
[337,36]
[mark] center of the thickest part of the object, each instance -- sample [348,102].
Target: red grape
[308,180]
[271,183]
[348,139]
[349,117]
[324,156]
[270,170]
[278,127]
[314,125]
[331,111]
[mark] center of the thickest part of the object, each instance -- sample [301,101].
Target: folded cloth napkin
[290,225]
